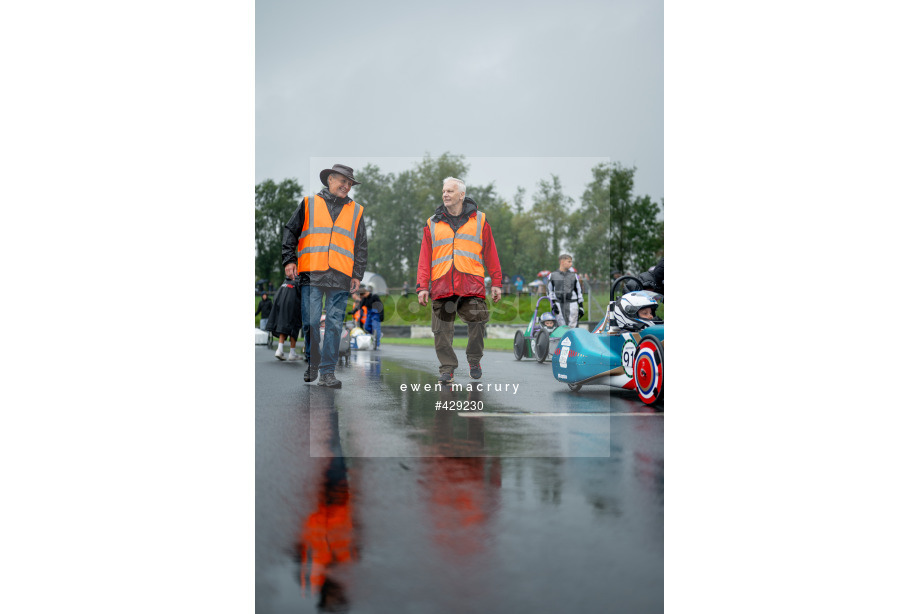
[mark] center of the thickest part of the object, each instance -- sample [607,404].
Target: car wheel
[648,370]
[541,345]
[518,345]
[574,387]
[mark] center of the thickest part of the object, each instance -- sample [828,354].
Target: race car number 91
[629,356]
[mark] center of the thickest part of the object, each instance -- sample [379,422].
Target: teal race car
[626,350]
[542,335]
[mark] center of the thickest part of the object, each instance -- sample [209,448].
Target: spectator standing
[373,307]
[653,279]
[286,321]
[264,308]
[564,291]
[357,312]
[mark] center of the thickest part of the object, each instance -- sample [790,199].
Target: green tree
[396,207]
[551,208]
[612,229]
[523,245]
[532,246]
[275,204]
[646,234]
[381,219]
[500,218]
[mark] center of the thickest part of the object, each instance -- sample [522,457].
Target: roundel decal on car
[628,357]
[649,372]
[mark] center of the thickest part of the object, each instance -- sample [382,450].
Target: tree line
[608,230]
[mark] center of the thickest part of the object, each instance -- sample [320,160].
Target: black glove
[581,310]
[649,282]
[556,308]
[632,285]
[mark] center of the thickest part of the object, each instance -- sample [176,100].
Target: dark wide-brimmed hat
[341,169]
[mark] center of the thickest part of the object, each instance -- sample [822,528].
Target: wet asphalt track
[369,499]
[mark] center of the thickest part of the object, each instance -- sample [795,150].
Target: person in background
[653,279]
[374,306]
[564,292]
[358,311]
[264,308]
[286,321]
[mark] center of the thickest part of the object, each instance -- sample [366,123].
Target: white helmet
[625,312]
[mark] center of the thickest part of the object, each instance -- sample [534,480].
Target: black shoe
[328,380]
[446,378]
[311,373]
[475,371]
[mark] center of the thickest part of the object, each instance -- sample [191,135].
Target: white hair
[460,185]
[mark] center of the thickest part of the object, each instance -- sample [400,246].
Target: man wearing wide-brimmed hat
[326,244]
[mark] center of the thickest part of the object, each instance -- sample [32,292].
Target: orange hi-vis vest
[361,316]
[463,249]
[324,245]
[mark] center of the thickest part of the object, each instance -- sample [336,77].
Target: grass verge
[514,310]
[459,342]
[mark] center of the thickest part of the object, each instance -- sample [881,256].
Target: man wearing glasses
[325,242]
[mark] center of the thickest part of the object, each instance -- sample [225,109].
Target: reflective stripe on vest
[463,249]
[326,245]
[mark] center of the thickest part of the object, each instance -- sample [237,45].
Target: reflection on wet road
[368,499]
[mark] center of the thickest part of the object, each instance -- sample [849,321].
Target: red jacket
[455,282]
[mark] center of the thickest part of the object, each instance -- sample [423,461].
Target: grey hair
[460,184]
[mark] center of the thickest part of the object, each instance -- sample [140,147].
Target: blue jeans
[373,324]
[311,308]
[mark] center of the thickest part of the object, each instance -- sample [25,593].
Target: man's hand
[556,309]
[423,298]
[581,310]
[496,294]
[354,285]
[290,269]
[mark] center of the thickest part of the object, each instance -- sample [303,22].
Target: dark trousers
[474,312]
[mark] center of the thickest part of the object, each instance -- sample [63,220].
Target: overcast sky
[141,114]
[521,90]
